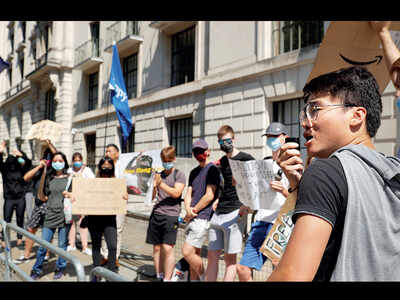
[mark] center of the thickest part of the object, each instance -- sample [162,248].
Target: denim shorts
[252,257]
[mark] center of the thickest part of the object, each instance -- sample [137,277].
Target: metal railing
[121,29]
[80,273]
[88,49]
[106,274]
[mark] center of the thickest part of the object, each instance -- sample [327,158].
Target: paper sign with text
[253,183]
[45,129]
[98,196]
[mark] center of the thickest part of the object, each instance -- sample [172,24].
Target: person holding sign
[346,223]
[51,190]
[163,223]
[202,191]
[32,177]
[227,212]
[390,51]
[264,219]
[104,224]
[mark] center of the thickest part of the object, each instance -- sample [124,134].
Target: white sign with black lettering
[253,183]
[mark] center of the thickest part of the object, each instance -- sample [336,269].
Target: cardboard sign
[275,243]
[45,129]
[252,183]
[137,168]
[352,43]
[98,196]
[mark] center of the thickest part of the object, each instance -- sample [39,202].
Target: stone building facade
[184,80]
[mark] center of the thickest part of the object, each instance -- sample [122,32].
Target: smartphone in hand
[293,140]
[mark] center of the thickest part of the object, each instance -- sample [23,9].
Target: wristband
[290,190]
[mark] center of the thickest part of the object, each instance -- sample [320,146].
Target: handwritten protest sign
[253,183]
[353,43]
[98,196]
[45,129]
[138,169]
[278,237]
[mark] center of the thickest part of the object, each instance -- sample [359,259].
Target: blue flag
[119,97]
[3,65]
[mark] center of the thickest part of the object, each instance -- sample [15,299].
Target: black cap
[276,128]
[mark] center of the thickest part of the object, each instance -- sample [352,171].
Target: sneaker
[20,260]
[34,275]
[87,251]
[58,274]
[69,248]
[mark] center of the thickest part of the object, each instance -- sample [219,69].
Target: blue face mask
[77,164]
[168,165]
[58,165]
[274,143]
[21,160]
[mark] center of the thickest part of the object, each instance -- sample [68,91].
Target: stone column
[139,71]
[199,54]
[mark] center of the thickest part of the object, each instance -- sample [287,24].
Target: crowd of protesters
[348,184]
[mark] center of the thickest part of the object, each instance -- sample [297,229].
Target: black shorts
[162,230]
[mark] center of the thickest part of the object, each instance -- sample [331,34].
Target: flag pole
[108,106]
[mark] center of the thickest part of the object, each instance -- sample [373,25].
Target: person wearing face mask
[78,169]
[227,211]
[106,225]
[32,177]
[202,191]
[252,258]
[163,223]
[52,190]
[14,186]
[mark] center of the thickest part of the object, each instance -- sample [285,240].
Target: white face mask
[273,143]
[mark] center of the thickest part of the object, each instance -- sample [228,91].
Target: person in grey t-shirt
[163,224]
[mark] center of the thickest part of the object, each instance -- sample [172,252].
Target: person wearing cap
[252,258]
[227,212]
[202,191]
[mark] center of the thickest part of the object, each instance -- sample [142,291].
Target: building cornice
[282,62]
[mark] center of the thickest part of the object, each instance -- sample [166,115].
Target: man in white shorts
[201,193]
[227,212]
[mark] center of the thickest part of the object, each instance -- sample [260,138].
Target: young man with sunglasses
[202,191]
[227,212]
[347,210]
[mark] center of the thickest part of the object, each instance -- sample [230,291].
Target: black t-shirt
[229,200]
[323,192]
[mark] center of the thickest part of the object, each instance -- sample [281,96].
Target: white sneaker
[69,248]
[87,251]
[20,260]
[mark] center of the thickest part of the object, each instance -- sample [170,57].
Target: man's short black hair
[113,145]
[354,85]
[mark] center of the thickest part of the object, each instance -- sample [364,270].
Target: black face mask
[106,172]
[226,147]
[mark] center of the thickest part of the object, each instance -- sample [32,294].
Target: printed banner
[98,196]
[253,183]
[138,168]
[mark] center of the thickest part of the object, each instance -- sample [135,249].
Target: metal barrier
[107,274]
[80,273]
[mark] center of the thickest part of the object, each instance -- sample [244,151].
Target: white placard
[253,183]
